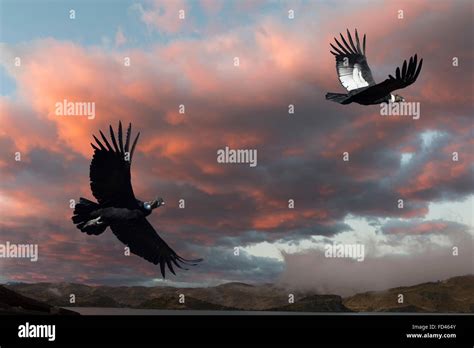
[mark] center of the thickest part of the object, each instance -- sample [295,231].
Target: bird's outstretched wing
[110,177]
[351,64]
[142,239]
[402,79]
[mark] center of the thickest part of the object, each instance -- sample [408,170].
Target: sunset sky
[282,61]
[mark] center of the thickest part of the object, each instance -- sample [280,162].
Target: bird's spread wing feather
[351,64]
[402,79]
[110,177]
[142,239]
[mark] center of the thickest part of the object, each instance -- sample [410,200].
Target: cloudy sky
[282,61]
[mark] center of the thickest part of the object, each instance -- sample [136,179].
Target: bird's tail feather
[337,97]
[82,215]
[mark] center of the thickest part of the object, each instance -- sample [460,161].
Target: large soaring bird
[117,207]
[355,75]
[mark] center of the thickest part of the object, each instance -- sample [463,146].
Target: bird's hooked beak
[399,98]
[156,203]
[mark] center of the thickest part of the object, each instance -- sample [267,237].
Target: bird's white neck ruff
[392,98]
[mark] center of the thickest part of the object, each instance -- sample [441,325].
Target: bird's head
[150,205]
[399,98]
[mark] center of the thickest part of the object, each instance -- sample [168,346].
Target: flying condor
[117,207]
[355,75]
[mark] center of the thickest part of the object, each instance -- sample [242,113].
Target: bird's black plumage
[355,75]
[117,207]
[110,171]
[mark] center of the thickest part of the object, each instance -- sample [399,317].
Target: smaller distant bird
[355,75]
[118,208]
